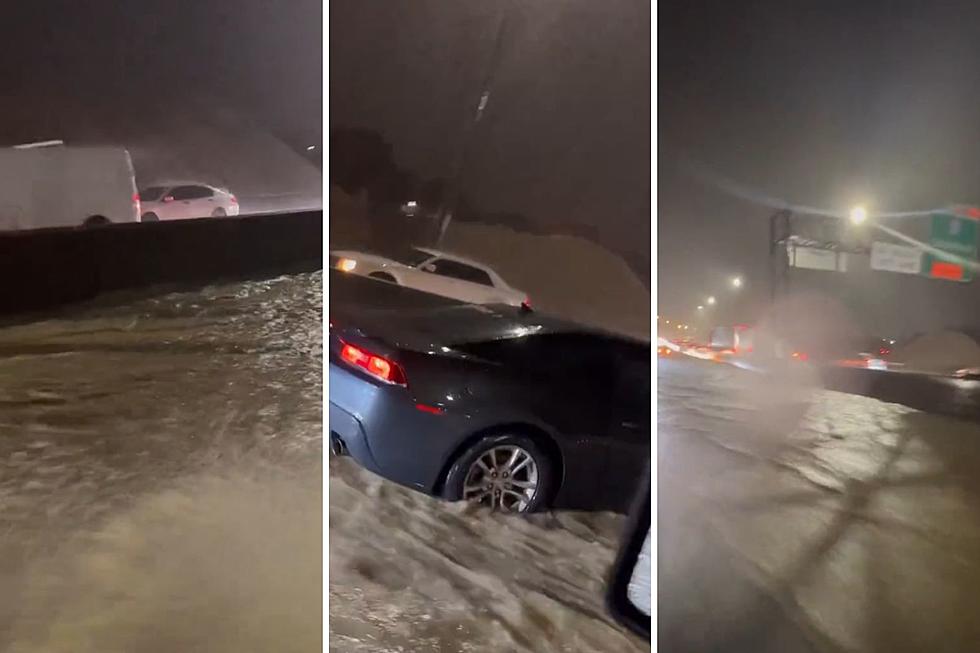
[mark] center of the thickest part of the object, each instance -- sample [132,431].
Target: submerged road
[160,473]
[794,518]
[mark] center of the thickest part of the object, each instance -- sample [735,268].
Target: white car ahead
[435,272]
[186,200]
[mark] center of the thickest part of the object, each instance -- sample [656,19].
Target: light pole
[451,201]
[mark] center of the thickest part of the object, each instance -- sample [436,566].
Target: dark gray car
[491,404]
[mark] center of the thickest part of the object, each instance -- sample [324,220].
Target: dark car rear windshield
[151,194]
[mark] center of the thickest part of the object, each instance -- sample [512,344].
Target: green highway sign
[954,234]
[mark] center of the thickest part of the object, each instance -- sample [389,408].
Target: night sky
[566,136]
[66,64]
[820,103]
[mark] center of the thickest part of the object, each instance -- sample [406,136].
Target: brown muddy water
[160,491]
[160,473]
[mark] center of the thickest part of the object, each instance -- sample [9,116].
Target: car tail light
[377,366]
[526,304]
[233,199]
[136,203]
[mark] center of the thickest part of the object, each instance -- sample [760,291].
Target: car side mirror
[629,595]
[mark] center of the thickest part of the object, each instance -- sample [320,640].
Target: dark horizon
[71,65]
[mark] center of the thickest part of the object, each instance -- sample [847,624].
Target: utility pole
[462,158]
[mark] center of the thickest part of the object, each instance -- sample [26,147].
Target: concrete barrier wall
[48,268]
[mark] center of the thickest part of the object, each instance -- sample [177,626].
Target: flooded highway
[793,518]
[160,473]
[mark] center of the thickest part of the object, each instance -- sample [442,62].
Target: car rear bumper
[382,429]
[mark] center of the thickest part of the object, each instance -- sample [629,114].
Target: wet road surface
[160,473]
[799,519]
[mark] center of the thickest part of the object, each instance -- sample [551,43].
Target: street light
[858,215]
[700,307]
[736,282]
[711,301]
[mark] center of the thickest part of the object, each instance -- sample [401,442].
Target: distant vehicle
[493,405]
[186,200]
[55,185]
[734,339]
[433,271]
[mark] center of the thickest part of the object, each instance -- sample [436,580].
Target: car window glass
[183,193]
[461,271]
[151,194]
[409,256]
[201,192]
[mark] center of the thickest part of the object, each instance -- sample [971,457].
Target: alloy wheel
[505,478]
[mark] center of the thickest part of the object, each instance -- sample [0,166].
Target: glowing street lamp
[858,215]
[736,282]
[700,307]
[711,301]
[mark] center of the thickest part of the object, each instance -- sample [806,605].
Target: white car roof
[454,257]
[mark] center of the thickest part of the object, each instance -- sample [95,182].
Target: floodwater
[160,491]
[413,574]
[793,518]
[160,473]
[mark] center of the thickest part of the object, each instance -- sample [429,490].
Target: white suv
[185,200]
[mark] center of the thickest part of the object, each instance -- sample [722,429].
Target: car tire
[383,276]
[96,220]
[219,213]
[461,469]
[150,217]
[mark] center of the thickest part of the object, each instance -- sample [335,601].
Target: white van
[54,185]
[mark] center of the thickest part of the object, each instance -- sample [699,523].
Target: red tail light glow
[136,202]
[378,366]
[233,199]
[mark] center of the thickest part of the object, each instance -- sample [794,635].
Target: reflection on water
[160,466]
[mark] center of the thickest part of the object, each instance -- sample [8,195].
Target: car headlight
[346,264]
